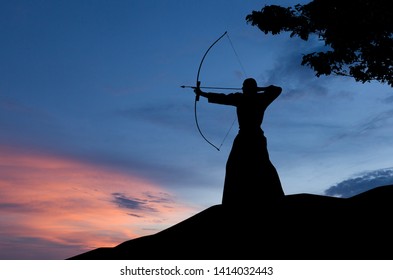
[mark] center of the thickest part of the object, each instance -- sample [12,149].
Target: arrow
[211,87]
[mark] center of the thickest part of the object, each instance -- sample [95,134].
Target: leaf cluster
[358,33]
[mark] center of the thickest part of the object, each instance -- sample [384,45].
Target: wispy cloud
[369,126]
[376,122]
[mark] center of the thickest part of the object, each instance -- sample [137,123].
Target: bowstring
[245,74]
[236,54]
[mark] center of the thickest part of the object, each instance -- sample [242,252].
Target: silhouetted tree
[358,34]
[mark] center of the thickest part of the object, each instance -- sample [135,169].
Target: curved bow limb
[198,84]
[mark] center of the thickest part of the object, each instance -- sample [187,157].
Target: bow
[198,84]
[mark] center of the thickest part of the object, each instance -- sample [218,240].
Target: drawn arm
[270,93]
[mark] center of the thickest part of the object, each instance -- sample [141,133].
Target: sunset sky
[98,143]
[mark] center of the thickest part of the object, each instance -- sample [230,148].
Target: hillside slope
[300,226]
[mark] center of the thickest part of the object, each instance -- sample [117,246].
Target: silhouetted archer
[250,176]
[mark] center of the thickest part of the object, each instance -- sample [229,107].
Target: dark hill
[300,226]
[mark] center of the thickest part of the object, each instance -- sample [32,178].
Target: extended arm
[219,98]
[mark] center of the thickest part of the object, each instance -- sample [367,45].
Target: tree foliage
[358,34]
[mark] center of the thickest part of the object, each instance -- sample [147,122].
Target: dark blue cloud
[131,203]
[361,183]
[18,207]
[145,203]
[10,206]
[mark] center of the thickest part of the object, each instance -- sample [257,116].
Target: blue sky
[92,113]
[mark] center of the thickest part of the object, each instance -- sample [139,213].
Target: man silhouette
[250,176]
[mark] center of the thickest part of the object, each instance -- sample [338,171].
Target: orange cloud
[68,207]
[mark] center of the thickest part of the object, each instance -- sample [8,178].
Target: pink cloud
[56,207]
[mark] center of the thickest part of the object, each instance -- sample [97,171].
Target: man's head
[250,86]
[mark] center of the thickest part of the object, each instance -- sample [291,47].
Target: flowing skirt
[251,179]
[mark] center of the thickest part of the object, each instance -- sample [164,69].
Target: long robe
[250,177]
